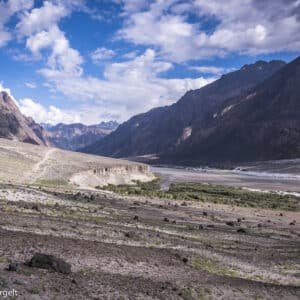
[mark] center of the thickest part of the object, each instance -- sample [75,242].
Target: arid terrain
[138,248]
[29,164]
[188,242]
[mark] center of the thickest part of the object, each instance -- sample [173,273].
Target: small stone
[241,230]
[204,213]
[230,223]
[129,234]
[185,260]
[36,207]
[13,267]
[136,218]
[166,219]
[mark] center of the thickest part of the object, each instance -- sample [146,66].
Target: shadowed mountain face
[15,126]
[76,136]
[166,130]
[260,124]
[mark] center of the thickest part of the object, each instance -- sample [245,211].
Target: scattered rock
[210,226]
[184,204]
[239,220]
[36,207]
[185,260]
[129,234]
[136,203]
[200,226]
[230,223]
[259,225]
[205,213]
[174,222]
[166,219]
[136,218]
[132,207]
[241,230]
[293,223]
[49,262]
[281,214]
[13,267]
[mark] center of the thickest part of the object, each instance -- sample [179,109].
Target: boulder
[49,262]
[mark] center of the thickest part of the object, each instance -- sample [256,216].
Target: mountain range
[75,136]
[251,114]
[246,115]
[15,126]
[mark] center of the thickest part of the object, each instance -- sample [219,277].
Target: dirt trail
[40,167]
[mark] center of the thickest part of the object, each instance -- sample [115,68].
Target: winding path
[40,167]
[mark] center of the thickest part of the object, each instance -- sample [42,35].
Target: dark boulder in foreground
[49,262]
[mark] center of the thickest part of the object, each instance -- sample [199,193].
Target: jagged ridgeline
[247,115]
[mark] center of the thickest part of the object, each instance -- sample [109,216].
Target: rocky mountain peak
[14,125]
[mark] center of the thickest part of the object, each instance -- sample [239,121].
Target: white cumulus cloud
[101,54]
[128,88]
[42,114]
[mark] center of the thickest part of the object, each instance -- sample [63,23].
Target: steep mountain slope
[76,136]
[163,129]
[262,124]
[14,125]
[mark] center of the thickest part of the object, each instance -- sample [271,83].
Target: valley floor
[125,247]
[255,177]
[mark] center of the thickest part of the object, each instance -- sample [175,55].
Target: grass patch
[210,193]
[52,182]
[34,291]
[211,266]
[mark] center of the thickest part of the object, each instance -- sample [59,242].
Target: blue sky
[94,60]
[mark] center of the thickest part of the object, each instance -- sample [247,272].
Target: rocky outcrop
[116,175]
[15,126]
